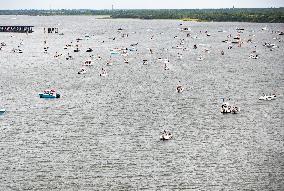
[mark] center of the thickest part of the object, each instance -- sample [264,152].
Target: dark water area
[103,133]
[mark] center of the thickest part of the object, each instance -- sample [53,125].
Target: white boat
[267,97]
[166,67]
[180,89]
[103,72]
[228,108]
[166,136]
[2,111]
[82,71]
[253,56]
[200,58]
[88,63]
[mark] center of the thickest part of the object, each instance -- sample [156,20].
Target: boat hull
[47,96]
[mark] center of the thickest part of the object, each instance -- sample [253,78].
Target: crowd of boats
[226,106]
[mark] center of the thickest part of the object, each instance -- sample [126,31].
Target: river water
[103,133]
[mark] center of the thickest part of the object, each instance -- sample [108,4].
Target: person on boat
[222,52]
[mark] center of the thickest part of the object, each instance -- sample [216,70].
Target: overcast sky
[136,4]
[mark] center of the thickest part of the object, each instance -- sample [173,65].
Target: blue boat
[49,94]
[2,111]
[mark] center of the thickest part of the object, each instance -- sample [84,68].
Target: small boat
[76,50]
[166,67]
[82,71]
[180,89]
[225,108]
[17,50]
[200,58]
[89,50]
[109,63]
[103,73]
[88,63]
[145,62]
[126,61]
[253,56]
[166,136]
[267,97]
[228,108]
[2,111]
[49,94]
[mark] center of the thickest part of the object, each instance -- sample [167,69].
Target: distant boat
[49,94]
[2,111]
[82,71]
[267,97]
[166,136]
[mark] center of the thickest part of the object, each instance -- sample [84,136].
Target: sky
[137,4]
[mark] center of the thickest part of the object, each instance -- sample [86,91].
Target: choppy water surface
[103,133]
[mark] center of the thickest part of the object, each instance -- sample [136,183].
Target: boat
[180,89]
[2,111]
[200,58]
[89,50]
[103,73]
[253,56]
[228,108]
[166,135]
[166,67]
[267,97]
[185,29]
[49,94]
[225,108]
[145,62]
[17,50]
[88,63]
[82,71]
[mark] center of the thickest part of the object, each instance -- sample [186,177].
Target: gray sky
[136,4]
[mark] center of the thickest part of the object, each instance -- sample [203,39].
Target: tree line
[261,15]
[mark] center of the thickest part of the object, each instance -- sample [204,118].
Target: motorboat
[267,97]
[180,89]
[166,67]
[49,94]
[145,62]
[88,63]
[82,71]
[228,108]
[17,50]
[200,58]
[185,29]
[103,73]
[166,135]
[253,56]
[225,108]
[2,111]
[109,63]
[270,45]
[89,50]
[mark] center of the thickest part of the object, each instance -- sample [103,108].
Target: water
[103,133]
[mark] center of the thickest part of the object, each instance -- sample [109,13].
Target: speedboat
[166,136]
[166,67]
[88,63]
[180,89]
[89,50]
[145,62]
[225,108]
[228,108]
[200,58]
[268,97]
[49,94]
[103,73]
[2,111]
[235,110]
[82,71]
[253,56]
